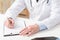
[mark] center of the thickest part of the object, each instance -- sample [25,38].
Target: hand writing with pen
[9,23]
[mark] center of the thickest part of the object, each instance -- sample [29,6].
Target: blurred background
[4,5]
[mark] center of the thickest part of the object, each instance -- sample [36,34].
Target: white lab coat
[42,12]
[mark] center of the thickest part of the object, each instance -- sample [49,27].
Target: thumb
[11,21]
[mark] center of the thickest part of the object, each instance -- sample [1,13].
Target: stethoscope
[31,2]
[37,2]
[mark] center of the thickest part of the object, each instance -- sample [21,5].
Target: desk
[53,32]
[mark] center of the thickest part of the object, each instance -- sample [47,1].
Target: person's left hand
[31,29]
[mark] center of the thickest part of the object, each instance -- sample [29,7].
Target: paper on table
[19,25]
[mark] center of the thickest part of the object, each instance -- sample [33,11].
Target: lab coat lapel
[38,9]
[28,4]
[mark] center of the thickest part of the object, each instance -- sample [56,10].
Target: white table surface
[52,32]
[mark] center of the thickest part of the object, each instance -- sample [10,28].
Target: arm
[15,9]
[54,18]
[47,23]
[12,12]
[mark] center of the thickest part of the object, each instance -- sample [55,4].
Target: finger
[23,29]
[30,33]
[11,21]
[11,27]
[25,32]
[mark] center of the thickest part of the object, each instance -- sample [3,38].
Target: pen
[24,23]
[10,35]
[25,26]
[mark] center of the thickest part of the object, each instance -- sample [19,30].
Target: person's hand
[32,29]
[9,23]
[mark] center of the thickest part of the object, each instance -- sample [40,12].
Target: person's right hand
[9,23]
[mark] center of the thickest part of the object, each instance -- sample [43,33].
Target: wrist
[41,26]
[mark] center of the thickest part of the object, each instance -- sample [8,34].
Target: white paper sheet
[19,25]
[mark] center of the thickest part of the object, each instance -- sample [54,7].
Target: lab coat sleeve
[15,9]
[54,18]
[42,27]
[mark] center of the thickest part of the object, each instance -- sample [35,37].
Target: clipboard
[18,26]
[20,23]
